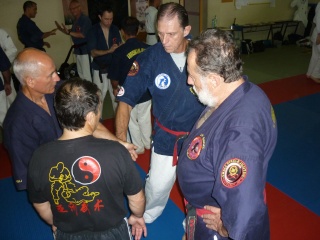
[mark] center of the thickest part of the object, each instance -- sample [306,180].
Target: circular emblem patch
[162,81]
[233,173]
[134,69]
[195,147]
[86,170]
[121,92]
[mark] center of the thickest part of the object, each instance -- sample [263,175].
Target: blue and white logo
[162,81]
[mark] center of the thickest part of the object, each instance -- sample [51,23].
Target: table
[281,26]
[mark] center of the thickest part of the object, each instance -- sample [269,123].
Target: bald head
[29,63]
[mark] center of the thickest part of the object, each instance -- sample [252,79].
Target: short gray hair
[24,68]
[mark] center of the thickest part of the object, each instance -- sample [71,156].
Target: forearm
[114,84]
[103,132]
[47,34]
[76,34]
[137,204]
[44,211]
[98,53]
[6,76]
[122,120]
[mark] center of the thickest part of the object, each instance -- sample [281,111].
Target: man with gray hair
[223,163]
[31,119]
[161,70]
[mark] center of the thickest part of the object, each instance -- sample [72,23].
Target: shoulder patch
[121,92]
[233,173]
[134,69]
[162,81]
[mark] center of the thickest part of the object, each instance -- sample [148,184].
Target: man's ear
[215,79]
[30,82]
[186,30]
[90,118]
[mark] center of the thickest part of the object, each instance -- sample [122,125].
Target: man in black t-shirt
[77,182]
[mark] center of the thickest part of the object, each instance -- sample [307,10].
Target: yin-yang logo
[86,170]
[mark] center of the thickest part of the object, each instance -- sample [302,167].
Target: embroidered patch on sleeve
[233,173]
[121,92]
[134,69]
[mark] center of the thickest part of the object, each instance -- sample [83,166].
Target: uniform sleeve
[86,27]
[114,70]
[8,46]
[137,81]
[92,39]
[240,182]
[36,34]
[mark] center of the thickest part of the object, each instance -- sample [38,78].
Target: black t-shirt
[84,180]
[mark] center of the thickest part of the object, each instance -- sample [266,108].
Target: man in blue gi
[123,57]
[161,69]
[31,120]
[103,39]
[223,162]
[78,32]
[28,32]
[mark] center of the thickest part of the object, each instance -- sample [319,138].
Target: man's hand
[131,148]
[60,28]
[7,89]
[213,221]
[53,31]
[138,227]
[47,44]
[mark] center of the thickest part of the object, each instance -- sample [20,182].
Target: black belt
[151,33]
[191,221]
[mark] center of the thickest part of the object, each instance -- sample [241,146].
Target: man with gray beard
[223,163]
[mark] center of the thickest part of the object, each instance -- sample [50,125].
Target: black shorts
[120,232]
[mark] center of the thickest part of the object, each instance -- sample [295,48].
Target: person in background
[161,70]
[7,89]
[28,32]
[31,120]
[150,18]
[78,32]
[78,182]
[314,65]
[224,161]
[103,39]
[139,131]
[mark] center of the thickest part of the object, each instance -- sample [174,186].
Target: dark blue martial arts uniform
[223,163]
[26,127]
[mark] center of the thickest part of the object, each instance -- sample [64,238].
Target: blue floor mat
[294,167]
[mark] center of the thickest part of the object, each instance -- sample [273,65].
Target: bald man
[31,120]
